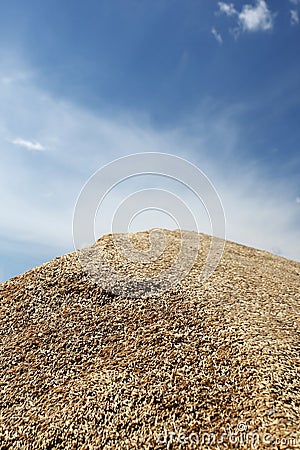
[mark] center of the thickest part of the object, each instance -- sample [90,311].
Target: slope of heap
[83,367]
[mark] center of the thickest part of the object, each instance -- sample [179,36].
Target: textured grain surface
[83,368]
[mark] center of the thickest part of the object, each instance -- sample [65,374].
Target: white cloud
[294,17]
[227,8]
[295,2]
[298,200]
[251,18]
[29,145]
[217,35]
[256,18]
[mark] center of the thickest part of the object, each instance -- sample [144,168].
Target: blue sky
[85,82]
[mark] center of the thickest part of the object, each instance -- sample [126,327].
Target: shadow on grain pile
[83,368]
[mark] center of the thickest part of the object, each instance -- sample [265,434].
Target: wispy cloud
[29,145]
[217,35]
[294,17]
[298,200]
[38,196]
[295,2]
[251,18]
[227,8]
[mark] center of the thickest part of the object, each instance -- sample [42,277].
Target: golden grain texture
[204,365]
